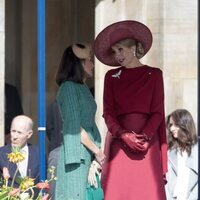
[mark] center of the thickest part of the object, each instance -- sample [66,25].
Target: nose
[13,135]
[172,128]
[117,54]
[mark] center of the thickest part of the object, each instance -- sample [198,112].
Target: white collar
[25,149]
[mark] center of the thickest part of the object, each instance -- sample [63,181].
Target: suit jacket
[192,164]
[33,163]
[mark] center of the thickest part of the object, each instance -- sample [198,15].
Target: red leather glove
[145,146]
[134,142]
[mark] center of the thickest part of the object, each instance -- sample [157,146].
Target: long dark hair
[187,135]
[70,68]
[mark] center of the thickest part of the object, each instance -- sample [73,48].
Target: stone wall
[2,67]
[66,22]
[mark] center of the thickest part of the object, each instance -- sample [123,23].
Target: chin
[89,75]
[15,145]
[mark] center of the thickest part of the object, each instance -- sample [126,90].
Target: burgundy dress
[134,100]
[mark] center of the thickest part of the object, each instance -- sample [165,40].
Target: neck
[134,63]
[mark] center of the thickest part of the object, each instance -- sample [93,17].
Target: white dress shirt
[23,165]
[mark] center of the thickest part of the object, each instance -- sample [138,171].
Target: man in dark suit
[21,131]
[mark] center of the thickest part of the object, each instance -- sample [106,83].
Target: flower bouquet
[25,191]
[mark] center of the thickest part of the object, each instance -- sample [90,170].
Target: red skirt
[130,176]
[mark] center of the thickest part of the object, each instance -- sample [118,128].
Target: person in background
[13,107]
[182,175]
[80,152]
[21,131]
[133,109]
[53,126]
[54,135]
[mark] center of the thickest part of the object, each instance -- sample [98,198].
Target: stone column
[2,68]
[180,55]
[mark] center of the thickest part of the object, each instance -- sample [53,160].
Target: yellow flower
[26,183]
[16,156]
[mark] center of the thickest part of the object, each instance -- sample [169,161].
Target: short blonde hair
[131,42]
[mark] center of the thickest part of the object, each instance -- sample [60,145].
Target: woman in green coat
[81,138]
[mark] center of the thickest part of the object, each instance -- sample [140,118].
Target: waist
[133,121]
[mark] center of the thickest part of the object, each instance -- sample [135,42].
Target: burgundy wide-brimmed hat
[116,32]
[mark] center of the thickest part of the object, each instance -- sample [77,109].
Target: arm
[157,108]
[156,122]
[68,102]
[86,141]
[109,109]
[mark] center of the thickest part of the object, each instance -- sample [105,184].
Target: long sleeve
[156,122]
[156,108]
[109,108]
[70,111]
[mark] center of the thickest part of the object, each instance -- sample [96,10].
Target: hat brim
[116,32]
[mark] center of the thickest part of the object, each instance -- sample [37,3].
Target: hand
[45,197]
[146,141]
[146,146]
[95,168]
[135,142]
[100,156]
[6,174]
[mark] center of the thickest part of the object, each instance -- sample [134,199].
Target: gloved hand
[95,168]
[146,140]
[135,142]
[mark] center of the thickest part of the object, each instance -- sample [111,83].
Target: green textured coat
[78,108]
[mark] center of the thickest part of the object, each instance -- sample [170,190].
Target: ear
[30,133]
[133,48]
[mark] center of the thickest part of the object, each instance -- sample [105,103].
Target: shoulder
[34,148]
[6,148]
[67,87]
[10,87]
[194,150]
[70,85]
[155,70]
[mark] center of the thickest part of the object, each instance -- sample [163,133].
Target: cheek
[24,138]
[129,55]
[89,67]
[175,135]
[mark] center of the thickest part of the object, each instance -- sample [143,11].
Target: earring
[134,54]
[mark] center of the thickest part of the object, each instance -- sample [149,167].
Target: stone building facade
[174,50]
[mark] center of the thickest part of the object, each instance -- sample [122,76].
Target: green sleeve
[67,98]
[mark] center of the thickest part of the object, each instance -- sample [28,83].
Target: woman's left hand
[95,168]
[100,156]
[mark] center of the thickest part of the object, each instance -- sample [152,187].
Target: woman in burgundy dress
[134,115]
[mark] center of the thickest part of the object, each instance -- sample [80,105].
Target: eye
[120,49]
[170,125]
[113,51]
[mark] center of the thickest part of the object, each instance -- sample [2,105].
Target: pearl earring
[134,54]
